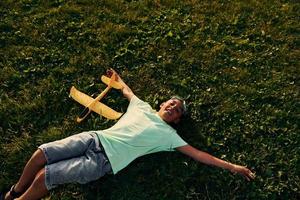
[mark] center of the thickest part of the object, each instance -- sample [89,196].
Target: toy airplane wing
[97,107]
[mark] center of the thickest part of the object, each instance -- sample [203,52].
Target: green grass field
[236,62]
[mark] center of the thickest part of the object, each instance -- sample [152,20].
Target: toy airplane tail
[95,105]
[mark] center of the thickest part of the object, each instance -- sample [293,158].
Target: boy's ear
[162,104]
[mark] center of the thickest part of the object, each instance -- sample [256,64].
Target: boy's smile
[171,111]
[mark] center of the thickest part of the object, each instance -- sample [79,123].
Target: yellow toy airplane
[95,105]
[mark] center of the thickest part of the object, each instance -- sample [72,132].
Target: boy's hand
[127,92]
[110,72]
[244,171]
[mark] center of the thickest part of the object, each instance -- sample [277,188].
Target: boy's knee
[39,180]
[39,158]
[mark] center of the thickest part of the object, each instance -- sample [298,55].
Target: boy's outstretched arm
[127,92]
[211,160]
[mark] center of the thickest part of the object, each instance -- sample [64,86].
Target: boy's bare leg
[33,166]
[37,189]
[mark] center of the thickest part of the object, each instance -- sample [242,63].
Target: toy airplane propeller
[95,105]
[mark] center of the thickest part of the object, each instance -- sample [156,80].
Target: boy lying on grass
[90,155]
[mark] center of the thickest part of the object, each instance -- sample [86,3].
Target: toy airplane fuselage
[95,105]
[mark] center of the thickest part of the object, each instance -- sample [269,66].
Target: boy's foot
[12,194]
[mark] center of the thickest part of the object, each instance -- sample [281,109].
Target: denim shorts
[79,158]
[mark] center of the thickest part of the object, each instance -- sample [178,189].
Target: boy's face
[171,111]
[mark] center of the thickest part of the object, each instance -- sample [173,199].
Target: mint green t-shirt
[140,131]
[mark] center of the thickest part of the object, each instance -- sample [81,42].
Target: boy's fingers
[252,175]
[244,171]
[247,176]
[109,72]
